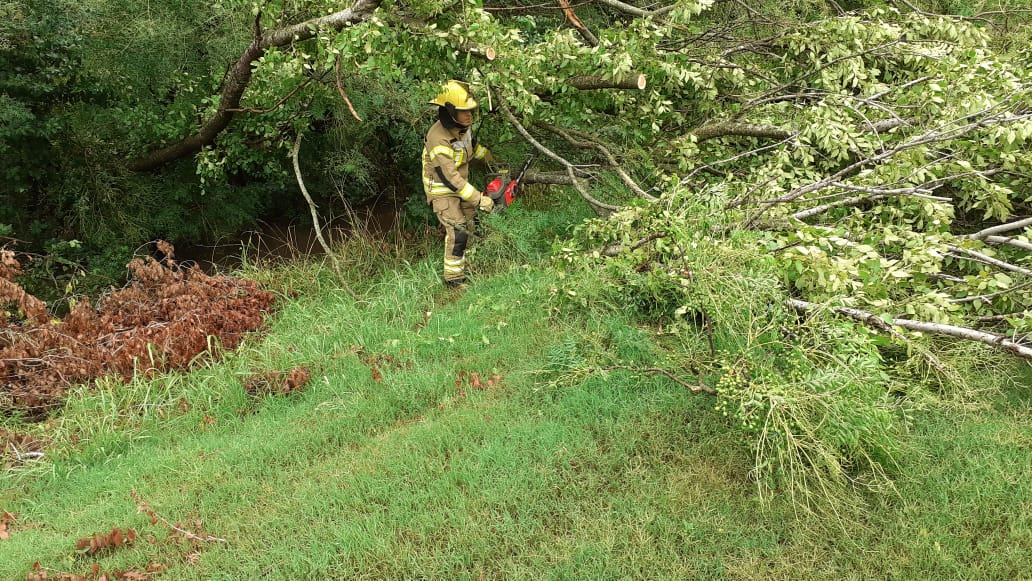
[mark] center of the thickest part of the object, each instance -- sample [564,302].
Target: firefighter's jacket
[446,157]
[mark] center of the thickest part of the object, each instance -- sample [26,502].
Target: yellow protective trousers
[457,216]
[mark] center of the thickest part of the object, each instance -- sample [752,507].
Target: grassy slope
[618,476]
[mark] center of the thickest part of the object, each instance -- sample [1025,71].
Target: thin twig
[986,259]
[1003,317]
[590,142]
[988,298]
[143,506]
[693,387]
[311,205]
[340,87]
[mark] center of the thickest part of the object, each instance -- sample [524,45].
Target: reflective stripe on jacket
[446,157]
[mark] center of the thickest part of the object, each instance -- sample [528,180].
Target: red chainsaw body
[502,190]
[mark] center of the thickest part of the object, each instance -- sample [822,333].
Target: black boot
[456,284]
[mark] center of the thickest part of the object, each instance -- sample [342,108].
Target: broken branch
[340,87]
[575,22]
[877,322]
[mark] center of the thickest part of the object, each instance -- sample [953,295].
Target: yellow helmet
[456,94]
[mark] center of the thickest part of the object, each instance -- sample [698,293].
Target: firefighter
[449,149]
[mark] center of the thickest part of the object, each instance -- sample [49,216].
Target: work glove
[486,203]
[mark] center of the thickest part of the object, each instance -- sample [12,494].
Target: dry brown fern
[164,319]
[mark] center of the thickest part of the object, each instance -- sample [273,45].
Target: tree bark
[633,81]
[240,76]
[729,128]
[553,178]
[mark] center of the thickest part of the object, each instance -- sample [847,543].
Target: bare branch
[1001,318]
[278,104]
[592,143]
[311,204]
[875,321]
[981,234]
[1009,242]
[988,298]
[693,387]
[876,194]
[340,87]
[985,258]
[597,205]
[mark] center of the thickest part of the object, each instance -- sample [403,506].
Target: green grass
[612,476]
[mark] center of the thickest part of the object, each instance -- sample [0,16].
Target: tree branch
[874,194]
[278,104]
[737,129]
[591,143]
[999,318]
[988,298]
[967,124]
[484,52]
[575,22]
[634,10]
[553,178]
[632,82]
[1009,241]
[595,204]
[875,321]
[344,95]
[693,387]
[981,234]
[985,258]
[311,204]
[240,77]
[729,128]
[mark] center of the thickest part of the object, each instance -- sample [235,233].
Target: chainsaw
[504,189]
